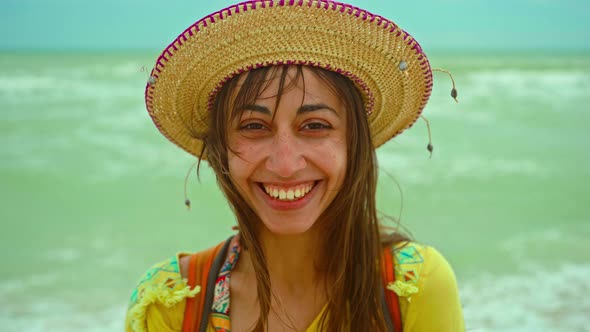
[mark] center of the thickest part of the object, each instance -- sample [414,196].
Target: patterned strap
[200,264]
[391,298]
[205,264]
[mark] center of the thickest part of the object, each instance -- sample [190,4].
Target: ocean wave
[93,153]
[17,286]
[476,167]
[122,70]
[419,171]
[24,89]
[540,299]
[26,83]
[55,315]
[63,255]
[521,246]
[523,84]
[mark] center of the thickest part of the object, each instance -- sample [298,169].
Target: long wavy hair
[350,222]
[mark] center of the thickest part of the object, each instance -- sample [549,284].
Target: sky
[560,25]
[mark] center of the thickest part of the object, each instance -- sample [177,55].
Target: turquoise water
[92,194]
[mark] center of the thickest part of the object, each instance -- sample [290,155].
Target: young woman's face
[289,163]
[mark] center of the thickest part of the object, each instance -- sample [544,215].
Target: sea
[91,194]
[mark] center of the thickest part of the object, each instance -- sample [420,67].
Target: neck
[298,291]
[290,261]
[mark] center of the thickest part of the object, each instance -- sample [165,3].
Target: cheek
[339,148]
[234,160]
[244,149]
[243,156]
[333,155]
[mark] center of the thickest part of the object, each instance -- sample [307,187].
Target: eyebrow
[301,110]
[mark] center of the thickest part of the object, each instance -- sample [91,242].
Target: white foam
[477,167]
[64,255]
[15,286]
[546,85]
[129,69]
[412,169]
[64,87]
[533,242]
[541,299]
[25,83]
[115,260]
[121,70]
[55,315]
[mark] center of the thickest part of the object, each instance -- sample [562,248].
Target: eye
[316,126]
[252,126]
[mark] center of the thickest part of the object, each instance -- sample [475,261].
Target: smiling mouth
[288,194]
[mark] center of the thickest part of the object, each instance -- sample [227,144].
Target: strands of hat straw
[429,147]
[187,201]
[454,91]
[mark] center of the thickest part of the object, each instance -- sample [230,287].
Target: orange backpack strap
[202,271]
[391,306]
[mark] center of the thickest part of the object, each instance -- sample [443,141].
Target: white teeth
[288,194]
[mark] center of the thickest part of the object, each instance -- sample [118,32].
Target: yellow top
[425,284]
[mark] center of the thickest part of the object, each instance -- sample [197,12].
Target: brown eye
[316,126]
[252,126]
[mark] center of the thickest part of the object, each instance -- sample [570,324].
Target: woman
[287,101]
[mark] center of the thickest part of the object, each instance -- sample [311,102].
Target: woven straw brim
[386,64]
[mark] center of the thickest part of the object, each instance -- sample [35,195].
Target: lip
[288,184]
[287,205]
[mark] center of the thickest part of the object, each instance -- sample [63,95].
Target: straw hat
[386,63]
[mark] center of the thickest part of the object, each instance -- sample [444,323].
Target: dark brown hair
[354,293]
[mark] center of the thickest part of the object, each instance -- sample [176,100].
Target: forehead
[280,80]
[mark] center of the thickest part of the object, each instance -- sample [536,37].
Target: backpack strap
[391,305]
[203,268]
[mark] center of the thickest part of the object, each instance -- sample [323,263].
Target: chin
[284,226]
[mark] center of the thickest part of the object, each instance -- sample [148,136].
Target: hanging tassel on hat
[187,201]
[430,147]
[454,90]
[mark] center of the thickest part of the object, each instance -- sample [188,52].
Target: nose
[286,156]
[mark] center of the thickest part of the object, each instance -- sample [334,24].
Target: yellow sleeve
[160,318]
[427,290]
[157,303]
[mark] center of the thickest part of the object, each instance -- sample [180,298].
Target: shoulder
[427,289]
[159,297]
[414,262]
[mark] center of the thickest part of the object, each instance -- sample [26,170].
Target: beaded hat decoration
[386,64]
